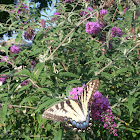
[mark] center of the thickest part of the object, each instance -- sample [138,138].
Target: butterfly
[76,112]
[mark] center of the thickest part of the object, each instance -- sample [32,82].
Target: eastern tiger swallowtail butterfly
[75,112]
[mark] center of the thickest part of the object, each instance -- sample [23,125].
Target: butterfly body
[75,112]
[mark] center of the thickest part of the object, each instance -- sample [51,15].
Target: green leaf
[36,51]
[69,74]
[25,87]
[38,69]
[33,98]
[3,112]
[24,72]
[47,104]
[131,101]
[74,81]
[4,94]
[58,135]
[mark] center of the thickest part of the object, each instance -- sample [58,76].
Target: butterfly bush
[100,109]
[83,13]
[103,12]
[116,32]
[22,9]
[92,27]
[29,34]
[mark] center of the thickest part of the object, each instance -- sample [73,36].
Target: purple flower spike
[116,32]
[101,111]
[92,27]
[103,12]
[15,49]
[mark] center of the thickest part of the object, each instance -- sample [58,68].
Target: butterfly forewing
[65,109]
[86,97]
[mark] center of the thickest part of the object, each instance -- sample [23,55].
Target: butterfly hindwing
[75,112]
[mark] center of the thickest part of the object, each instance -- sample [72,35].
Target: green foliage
[67,56]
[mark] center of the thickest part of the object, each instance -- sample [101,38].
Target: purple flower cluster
[116,32]
[25,22]
[33,64]
[107,119]
[56,14]
[29,34]
[4,58]
[101,111]
[15,49]
[22,9]
[26,82]
[43,23]
[92,27]
[2,79]
[103,12]
[83,13]
[100,104]
[76,92]
[67,1]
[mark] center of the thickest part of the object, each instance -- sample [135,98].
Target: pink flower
[2,79]
[25,22]
[15,49]
[4,59]
[124,10]
[76,92]
[56,14]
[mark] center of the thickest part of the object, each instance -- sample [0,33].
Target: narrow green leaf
[131,101]
[36,51]
[33,98]
[24,72]
[38,69]
[46,104]
[69,74]
[3,112]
